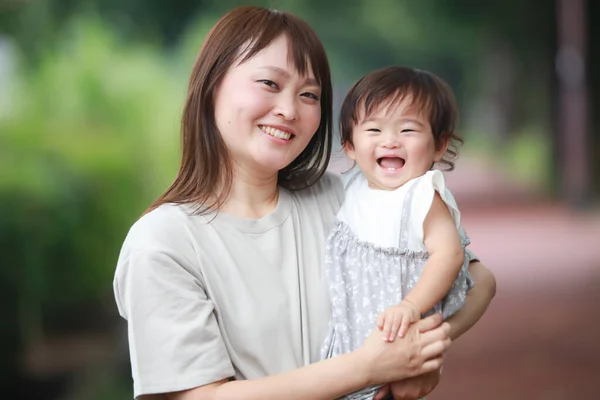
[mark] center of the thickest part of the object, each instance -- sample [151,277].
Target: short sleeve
[174,340]
[427,185]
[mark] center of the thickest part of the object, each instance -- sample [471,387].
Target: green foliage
[529,156]
[91,139]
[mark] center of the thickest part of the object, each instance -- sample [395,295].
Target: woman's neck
[251,195]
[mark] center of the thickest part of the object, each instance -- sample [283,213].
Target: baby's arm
[446,257]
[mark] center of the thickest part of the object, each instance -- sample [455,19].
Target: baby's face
[394,145]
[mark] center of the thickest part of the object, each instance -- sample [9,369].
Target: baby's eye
[373,130]
[408,130]
[269,83]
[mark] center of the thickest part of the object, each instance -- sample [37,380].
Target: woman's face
[266,112]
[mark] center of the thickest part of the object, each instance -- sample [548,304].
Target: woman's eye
[310,96]
[269,83]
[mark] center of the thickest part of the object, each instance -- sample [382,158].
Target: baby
[397,251]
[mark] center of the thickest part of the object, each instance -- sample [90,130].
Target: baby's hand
[395,320]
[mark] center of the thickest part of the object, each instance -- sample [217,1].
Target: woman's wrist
[362,361]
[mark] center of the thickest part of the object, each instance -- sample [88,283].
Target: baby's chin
[391,182]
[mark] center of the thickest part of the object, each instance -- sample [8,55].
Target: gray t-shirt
[229,297]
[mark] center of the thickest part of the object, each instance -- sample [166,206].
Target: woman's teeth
[275,132]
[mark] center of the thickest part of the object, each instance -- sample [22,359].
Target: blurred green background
[90,99]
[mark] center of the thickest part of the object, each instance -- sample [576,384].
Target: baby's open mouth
[390,163]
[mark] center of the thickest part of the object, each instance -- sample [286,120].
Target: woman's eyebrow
[310,81]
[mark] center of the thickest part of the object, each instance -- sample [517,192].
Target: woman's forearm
[478,300]
[376,361]
[325,380]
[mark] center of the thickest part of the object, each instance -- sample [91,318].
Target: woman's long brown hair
[205,162]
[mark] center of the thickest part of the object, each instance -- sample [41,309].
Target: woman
[221,281]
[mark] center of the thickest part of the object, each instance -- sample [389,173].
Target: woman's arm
[325,380]
[374,363]
[478,300]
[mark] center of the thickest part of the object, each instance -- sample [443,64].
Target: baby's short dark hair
[390,85]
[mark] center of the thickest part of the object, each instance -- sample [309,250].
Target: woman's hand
[412,388]
[415,387]
[420,351]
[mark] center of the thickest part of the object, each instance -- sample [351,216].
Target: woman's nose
[287,109]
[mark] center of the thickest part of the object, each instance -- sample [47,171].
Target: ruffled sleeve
[427,185]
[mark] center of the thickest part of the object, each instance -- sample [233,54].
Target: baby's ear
[440,151]
[349,150]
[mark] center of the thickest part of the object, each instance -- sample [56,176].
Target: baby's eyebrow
[401,120]
[414,121]
[366,121]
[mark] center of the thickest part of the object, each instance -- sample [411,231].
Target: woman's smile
[278,132]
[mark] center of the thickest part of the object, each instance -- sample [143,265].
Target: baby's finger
[403,327]
[387,326]
[380,320]
[395,326]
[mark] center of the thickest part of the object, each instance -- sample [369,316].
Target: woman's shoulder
[331,179]
[322,199]
[158,243]
[165,225]
[329,186]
